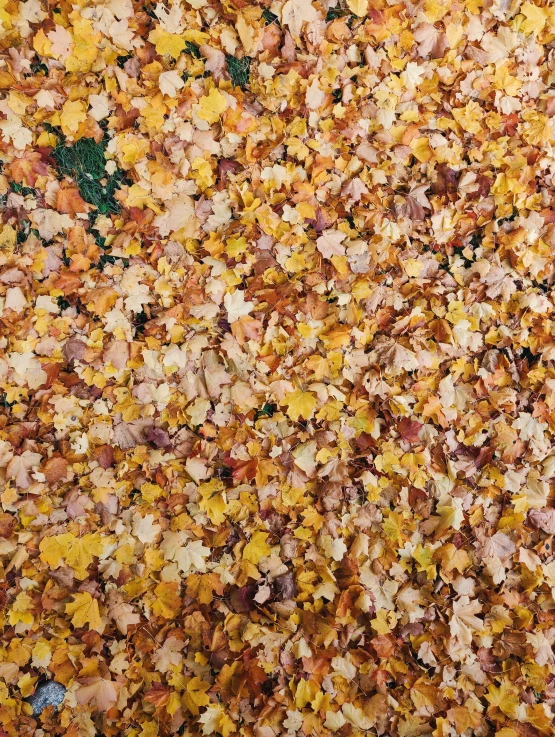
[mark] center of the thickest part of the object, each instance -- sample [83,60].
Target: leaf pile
[277,368]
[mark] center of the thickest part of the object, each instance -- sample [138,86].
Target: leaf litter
[277,368]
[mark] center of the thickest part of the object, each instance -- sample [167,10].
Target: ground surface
[276,368]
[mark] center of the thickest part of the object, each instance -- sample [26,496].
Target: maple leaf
[394,358]
[169,654]
[236,305]
[27,168]
[19,466]
[329,243]
[73,114]
[20,610]
[84,49]
[358,7]
[409,430]
[145,528]
[170,83]
[167,43]
[256,548]
[214,719]
[78,552]
[85,611]
[195,694]
[42,654]
[13,130]
[314,99]
[212,501]
[295,13]
[168,601]
[69,202]
[61,41]
[215,61]
[334,720]
[121,612]
[464,622]
[504,698]
[450,515]
[299,404]
[191,556]
[203,587]
[212,106]
[101,691]
[534,18]
[356,717]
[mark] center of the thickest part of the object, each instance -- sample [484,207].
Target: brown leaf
[56,469]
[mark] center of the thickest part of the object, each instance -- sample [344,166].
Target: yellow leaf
[413,267]
[41,44]
[137,196]
[450,516]
[504,698]
[19,611]
[52,548]
[454,33]
[421,149]
[212,106]
[534,18]
[424,559]
[168,600]
[84,50]
[212,501]
[469,117]
[305,692]
[203,586]
[538,130]
[197,37]
[167,43]
[256,548]
[154,112]
[300,404]
[384,622]
[358,7]
[506,732]
[85,611]
[173,704]
[149,729]
[392,527]
[73,114]
[195,695]
[42,654]
[78,552]
[8,237]
[226,725]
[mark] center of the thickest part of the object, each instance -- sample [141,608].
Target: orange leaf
[27,168]
[69,202]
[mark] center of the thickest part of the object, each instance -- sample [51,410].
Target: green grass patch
[269,17]
[239,70]
[192,49]
[84,161]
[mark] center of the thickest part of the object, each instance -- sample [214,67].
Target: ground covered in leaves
[277,377]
